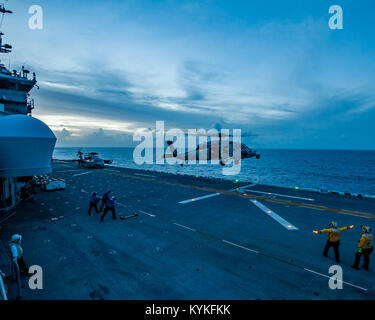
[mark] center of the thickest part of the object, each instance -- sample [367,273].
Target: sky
[274,68]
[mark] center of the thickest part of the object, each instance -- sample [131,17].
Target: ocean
[334,170]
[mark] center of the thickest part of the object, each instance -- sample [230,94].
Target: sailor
[365,247]
[105,198]
[94,203]
[333,239]
[17,253]
[109,206]
[80,160]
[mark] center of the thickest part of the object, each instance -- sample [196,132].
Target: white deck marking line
[185,227]
[6,218]
[325,276]
[80,174]
[322,208]
[111,170]
[149,214]
[277,194]
[64,165]
[306,269]
[237,245]
[144,175]
[273,215]
[200,198]
[248,186]
[119,203]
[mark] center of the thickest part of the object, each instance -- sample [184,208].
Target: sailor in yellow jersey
[365,247]
[333,239]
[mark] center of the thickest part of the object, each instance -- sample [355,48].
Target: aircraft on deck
[91,160]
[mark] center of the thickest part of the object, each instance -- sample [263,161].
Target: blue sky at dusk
[106,68]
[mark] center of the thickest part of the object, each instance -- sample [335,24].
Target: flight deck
[193,238]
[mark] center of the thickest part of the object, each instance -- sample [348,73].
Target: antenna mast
[4,48]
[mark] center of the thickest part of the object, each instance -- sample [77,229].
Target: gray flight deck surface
[220,247]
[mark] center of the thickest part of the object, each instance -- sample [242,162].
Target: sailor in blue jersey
[94,203]
[109,206]
[105,198]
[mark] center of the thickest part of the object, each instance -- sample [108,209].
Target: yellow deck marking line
[245,195]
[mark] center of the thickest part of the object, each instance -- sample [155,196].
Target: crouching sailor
[109,206]
[365,247]
[17,254]
[333,239]
[94,203]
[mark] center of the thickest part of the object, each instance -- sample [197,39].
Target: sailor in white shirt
[17,253]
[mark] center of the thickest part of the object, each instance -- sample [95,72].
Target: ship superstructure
[14,85]
[26,143]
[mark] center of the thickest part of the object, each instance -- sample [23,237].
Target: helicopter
[91,160]
[214,150]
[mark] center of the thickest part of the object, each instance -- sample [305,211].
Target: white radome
[26,146]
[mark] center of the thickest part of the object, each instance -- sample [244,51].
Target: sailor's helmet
[333,224]
[16,237]
[366,229]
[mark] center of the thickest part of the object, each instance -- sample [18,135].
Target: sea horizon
[322,169]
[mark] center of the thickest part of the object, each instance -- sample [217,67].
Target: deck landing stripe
[274,216]
[200,198]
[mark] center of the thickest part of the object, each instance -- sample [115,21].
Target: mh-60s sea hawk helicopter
[213,150]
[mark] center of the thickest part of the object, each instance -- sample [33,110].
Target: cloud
[193,65]
[99,138]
